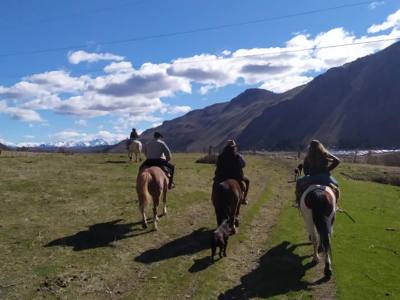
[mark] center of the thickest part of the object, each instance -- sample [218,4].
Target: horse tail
[221,207]
[142,187]
[320,206]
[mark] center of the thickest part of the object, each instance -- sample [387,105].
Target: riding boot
[245,188]
[171,183]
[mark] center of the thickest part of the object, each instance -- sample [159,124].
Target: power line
[186,32]
[274,53]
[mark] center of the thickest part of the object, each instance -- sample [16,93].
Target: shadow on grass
[192,243]
[98,235]
[280,271]
[200,264]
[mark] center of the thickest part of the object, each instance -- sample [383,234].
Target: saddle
[303,188]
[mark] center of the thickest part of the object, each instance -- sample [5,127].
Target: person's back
[156,149]
[317,167]
[134,135]
[230,165]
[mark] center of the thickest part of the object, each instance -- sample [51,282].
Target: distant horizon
[173,64]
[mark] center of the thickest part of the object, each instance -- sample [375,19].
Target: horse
[318,207]
[134,147]
[152,183]
[227,198]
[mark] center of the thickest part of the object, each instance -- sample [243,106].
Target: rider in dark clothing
[230,165]
[134,135]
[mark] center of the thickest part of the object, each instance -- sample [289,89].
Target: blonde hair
[317,153]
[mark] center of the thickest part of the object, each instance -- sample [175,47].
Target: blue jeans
[323,179]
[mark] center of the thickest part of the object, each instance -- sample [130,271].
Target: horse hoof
[328,272]
[144,225]
[315,260]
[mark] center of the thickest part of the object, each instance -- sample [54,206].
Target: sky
[82,70]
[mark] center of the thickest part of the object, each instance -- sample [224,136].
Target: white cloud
[21,114]
[81,122]
[119,67]
[132,95]
[375,4]
[29,136]
[82,56]
[392,21]
[173,110]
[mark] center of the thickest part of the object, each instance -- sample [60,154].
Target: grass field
[69,229]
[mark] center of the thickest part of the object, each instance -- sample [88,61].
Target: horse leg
[314,241]
[156,201]
[308,220]
[142,212]
[164,195]
[328,263]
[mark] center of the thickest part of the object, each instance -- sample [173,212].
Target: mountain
[213,125]
[3,147]
[353,106]
[95,146]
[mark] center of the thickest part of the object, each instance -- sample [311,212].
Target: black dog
[220,239]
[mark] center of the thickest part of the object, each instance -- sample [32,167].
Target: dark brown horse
[318,207]
[226,198]
[152,183]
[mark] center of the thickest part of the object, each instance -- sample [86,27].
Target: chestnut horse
[318,207]
[227,197]
[152,183]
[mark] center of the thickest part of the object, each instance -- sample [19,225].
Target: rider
[134,136]
[158,154]
[317,167]
[230,165]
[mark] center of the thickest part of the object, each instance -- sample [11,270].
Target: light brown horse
[152,183]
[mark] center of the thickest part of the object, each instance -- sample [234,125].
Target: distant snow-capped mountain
[67,144]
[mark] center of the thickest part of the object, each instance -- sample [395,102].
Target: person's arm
[334,162]
[167,152]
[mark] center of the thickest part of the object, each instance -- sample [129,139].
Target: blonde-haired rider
[318,164]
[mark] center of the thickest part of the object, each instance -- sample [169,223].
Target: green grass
[367,252]
[69,229]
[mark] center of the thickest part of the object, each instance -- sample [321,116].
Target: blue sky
[87,83]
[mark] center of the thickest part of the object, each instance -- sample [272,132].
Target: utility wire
[185,32]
